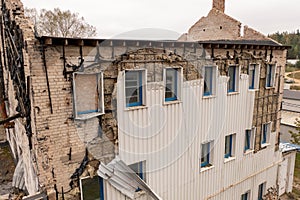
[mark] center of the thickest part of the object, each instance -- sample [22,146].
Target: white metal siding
[169,138]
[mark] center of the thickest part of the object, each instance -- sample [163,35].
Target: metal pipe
[47,79]
[10,118]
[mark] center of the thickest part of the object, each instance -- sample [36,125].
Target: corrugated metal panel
[169,138]
[125,180]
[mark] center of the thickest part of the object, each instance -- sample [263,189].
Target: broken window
[88,95]
[138,168]
[172,83]
[209,80]
[206,160]
[134,87]
[92,188]
[254,76]
[233,74]
[229,146]
[270,76]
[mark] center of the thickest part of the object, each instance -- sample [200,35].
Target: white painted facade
[168,137]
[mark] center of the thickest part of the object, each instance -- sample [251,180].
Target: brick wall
[219,5]
[59,141]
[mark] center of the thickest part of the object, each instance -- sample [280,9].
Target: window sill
[253,90]
[265,145]
[268,88]
[232,93]
[139,193]
[166,103]
[203,169]
[135,108]
[209,96]
[229,159]
[88,116]
[249,151]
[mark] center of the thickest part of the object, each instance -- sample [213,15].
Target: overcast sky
[113,17]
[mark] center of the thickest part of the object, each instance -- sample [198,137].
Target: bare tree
[59,23]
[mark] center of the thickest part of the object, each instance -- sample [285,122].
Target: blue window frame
[228,146]
[88,94]
[265,132]
[232,72]
[245,196]
[171,84]
[252,73]
[134,88]
[101,184]
[270,75]
[261,191]
[248,134]
[138,169]
[205,154]
[208,81]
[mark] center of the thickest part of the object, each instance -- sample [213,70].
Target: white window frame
[263,190]
[248,193]
[177,84]
[212,81]
[232,143]
[209,155]
[254,79]
[142,84]
[141,165]
[265,134]
[101,109]
[270,76]
[89,177]
[236,80]
[251,140]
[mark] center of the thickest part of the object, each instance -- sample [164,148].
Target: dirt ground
[7,167]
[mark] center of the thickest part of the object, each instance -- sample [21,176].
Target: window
[265,133]
[270,76]
[229,146]
[245,196]
[206,154]
[134,83]
[172,83]
[249,139]
[209,80]
[92,188]
[261,191]
[254,76]
[233,73]
[88,95]
[138,169]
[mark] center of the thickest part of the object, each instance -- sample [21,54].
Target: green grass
[295,87]
[296,191]
[295,75]
[297,166]
[290,69]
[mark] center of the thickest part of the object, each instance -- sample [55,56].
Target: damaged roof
[124,179]
[287,147]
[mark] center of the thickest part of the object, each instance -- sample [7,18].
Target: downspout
[47,78]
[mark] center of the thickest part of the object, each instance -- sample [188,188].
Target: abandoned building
[196,118]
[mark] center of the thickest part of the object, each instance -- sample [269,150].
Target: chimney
[219,5]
